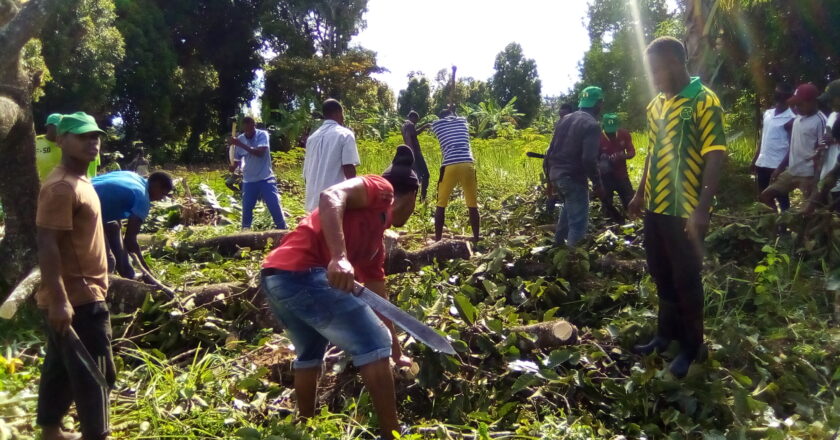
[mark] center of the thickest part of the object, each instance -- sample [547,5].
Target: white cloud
[429,35]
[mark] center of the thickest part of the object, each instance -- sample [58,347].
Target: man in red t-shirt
[616,148]
[308,277]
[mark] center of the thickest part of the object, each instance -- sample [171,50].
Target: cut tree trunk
[397,259]
[19,184]
[549,334]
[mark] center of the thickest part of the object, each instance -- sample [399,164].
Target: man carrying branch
[309,276]
[687,149]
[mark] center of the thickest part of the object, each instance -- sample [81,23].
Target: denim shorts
[315,314]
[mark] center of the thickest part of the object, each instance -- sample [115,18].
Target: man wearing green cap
[686,153]
[571,159]
[74,283]
[47,153]
[616,148]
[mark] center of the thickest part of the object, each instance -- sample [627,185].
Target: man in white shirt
[331,154]
[774,142]
[258,180]
[829,150]
[798,169]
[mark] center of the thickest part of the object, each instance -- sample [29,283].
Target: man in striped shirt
[457,168]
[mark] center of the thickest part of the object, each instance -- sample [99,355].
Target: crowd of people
[307,277]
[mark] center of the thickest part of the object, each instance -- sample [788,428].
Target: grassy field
[773,371]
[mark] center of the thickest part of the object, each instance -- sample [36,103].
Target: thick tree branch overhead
[22,27]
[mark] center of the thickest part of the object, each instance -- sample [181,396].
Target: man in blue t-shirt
[258,181]
[126,195]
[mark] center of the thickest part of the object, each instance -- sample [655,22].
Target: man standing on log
[331,154]
[570,160]
[126,195]
[309,277]
[258,180]
[457,169]
[47,153]
[687,149]
[410,130]
[74,282]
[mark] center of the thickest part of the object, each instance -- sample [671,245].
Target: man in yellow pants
[457,168]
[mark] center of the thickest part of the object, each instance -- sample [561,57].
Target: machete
[412,326]
[84,356]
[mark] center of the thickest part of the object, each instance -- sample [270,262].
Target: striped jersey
[681,131]
[453,134]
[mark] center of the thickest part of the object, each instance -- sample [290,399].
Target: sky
[429,35]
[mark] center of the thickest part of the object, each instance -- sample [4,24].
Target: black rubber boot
[665,330]
[691,346]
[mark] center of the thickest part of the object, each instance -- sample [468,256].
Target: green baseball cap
[610,123]
[54,119]
[78,123]
[832,91]
[590,96]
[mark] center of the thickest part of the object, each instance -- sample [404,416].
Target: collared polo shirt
[775,140]
[681,130]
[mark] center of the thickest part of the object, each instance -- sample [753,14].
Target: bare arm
[60,312]
[349,171]
[334,201]
[130,241]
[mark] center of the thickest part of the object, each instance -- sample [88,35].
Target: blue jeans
[314,314]
[574,211]
[267,190]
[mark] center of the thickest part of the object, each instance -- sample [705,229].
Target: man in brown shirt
[74,283]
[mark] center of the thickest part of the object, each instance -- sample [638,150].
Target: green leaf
[465,308]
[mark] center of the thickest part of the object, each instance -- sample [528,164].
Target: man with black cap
[799,167]
[309,276]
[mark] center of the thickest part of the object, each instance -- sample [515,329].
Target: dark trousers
[616,185]
[762,180]
[114,249]
[64,379]
[675,263]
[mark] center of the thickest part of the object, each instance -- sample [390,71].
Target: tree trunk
[697,41]
[550,334]
[397,259]
[19,184]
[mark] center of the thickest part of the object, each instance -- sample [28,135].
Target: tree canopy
[516,77]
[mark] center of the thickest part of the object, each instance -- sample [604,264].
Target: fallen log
[550,334]
[397,259]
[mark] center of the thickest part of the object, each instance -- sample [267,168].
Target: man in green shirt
[47,153]
[682,171]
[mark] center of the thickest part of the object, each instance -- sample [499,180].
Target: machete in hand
[84,356]
[411,325]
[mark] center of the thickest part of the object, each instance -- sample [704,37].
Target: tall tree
[516,76]
[614,60]
[82,47]
[310,27]
[416,96]
[19,186]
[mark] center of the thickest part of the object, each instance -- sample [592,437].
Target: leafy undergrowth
[773,369]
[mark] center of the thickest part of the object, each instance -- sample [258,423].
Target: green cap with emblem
[590,96]
[78,123]
[54,119]
[610,123]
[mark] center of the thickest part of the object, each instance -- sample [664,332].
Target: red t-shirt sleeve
[628,142]
[380,192]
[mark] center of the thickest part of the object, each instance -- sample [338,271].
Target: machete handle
[535,155]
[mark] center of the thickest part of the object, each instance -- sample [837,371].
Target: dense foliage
[516,77]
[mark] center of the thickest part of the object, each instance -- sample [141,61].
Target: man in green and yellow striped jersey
[682,171]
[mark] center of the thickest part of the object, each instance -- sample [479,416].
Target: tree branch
[8,9]
[23,26]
